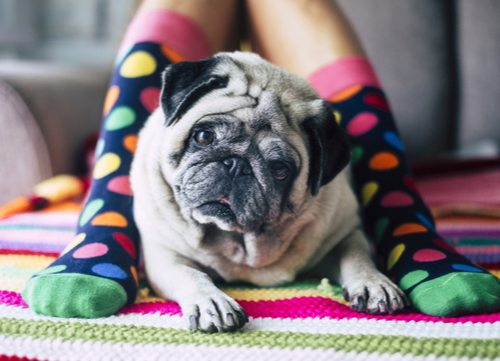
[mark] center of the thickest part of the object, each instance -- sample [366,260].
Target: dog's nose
[237,166]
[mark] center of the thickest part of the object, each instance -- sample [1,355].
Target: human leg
[97,273]
[321,45]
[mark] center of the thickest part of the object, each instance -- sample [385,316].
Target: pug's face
[248,142]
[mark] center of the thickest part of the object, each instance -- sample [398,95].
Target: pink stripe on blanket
[164,308]
[306,307]
[301,308]
[12,299]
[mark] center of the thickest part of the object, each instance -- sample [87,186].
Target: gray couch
[439,61]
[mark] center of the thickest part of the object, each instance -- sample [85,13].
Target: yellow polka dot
[368,191]
[107,164]
[338,116]
[139,63]
[394,255]
[75,242]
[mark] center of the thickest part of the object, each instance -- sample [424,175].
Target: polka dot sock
[438,280]
[96,275]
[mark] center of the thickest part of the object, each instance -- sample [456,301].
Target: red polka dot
[362,123]
[120,185]
[150,98]
[91,250]
[410,184]
[126,243]
[428,255]
[442,244]
[377,101]
[396,199]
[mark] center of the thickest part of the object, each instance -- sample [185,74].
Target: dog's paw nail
[361,304]
[230,319]
[211,329]
[394,306]
[242,317]
[382,307]
[193,324]
[346,294]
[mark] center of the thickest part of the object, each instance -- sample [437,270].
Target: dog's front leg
[367,290]
[203,305]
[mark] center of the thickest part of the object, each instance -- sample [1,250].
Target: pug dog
[242,174]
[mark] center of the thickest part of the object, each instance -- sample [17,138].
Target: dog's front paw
[215,312]
[374,294]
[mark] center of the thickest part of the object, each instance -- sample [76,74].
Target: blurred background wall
[83,32]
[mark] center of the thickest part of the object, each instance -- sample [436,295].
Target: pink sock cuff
[176,31]
[342,74]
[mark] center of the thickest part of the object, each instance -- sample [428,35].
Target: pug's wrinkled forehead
[229,82]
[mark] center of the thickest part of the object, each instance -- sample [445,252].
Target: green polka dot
[90,211]
[53,269]
[357,154]
[380,227]
[412,278]
[119,118]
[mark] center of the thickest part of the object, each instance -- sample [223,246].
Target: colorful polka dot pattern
[107,239]
[394,215]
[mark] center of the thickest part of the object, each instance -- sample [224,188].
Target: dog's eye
[280,170]
[204,137]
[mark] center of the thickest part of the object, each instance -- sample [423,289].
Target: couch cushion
[24,160]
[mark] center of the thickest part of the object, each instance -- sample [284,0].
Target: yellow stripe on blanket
[13,283]
[258,294]
[28,261]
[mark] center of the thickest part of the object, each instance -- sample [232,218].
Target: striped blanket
[307,320]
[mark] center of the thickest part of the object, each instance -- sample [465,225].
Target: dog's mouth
[219,208]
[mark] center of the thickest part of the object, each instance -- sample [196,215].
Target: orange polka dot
[408,228]
[172,55]
[384,161]
[134,273]
[345,94]
[110,219]
[111,98]
[130,142]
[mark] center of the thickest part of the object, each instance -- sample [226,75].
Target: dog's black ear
[329,147]
[186,82]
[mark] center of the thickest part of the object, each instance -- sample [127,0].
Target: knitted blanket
[307,320]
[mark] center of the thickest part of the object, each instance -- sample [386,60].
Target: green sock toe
[74,295]
[458,293]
